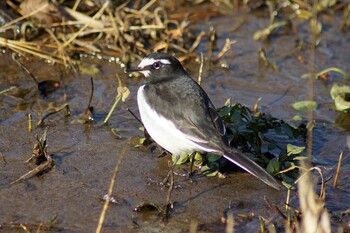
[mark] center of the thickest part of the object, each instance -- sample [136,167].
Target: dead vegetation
[41,156]
[55,31]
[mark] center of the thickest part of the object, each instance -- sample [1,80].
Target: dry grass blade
[148,5]
[315,217]
[28,47]
[200,74]
[196,42]
[7,90]
[230,223]
[62,53]
[30,122]
[338,170]
[225,49]
[85,19]
[98,14]
[110,191]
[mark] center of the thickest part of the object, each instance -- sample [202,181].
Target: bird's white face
[151,62]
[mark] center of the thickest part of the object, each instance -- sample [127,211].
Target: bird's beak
[144,71]
[133,70]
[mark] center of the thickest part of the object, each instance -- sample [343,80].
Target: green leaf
[210,170]
[288,130]
[304,105]
[141,141]
[274,166]
[299,158]
[271,146]
[198,159]
[341,96]
[212,157]
[294,150]
[297,118]
[224,111]
[183,158]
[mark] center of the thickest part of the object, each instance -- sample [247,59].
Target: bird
[180,117]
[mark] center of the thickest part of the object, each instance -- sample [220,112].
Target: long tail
[250,166]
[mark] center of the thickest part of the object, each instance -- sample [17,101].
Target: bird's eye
[157,65]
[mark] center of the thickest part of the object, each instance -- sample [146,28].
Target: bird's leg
[168,204]
[166,179]
[192,163]
[171,184]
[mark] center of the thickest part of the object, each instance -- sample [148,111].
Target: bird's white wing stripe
[149,61]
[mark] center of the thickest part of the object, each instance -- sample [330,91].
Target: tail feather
[250,166]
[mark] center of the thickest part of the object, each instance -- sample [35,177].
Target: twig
[6,26]
[91,95]
[133,114]
[3,158]
[148,5]
[7,90]
[196,42]
[42,167]
[24,68]
[65,106]
[275,208]
[225,49]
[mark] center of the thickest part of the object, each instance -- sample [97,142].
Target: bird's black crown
[158,66]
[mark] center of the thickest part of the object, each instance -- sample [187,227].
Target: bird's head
[157,66]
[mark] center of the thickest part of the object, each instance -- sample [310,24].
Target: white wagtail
[179,116]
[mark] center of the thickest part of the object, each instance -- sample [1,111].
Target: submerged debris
[42,159]
[63,107]
[31,227]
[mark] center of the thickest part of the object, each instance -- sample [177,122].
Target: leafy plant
[269,141]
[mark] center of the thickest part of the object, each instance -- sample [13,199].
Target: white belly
[163,131]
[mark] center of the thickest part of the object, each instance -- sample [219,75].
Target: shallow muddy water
[85,155]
